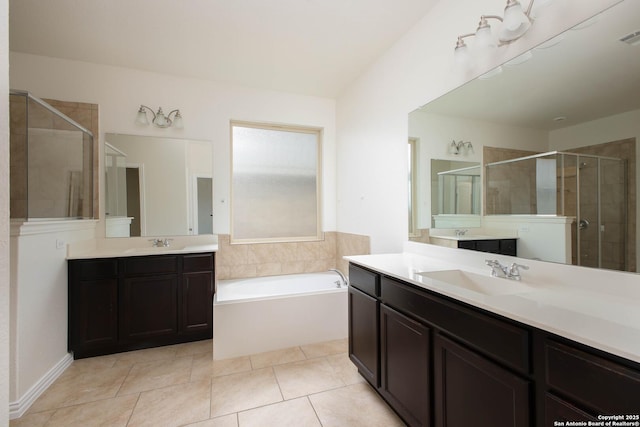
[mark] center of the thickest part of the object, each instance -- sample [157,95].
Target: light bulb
[461,55]
[177,121]
[515,23]
[141,117]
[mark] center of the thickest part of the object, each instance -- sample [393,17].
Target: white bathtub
[269,313]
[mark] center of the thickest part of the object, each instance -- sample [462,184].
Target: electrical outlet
[60,244]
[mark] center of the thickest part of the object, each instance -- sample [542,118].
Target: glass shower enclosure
[592,189]
[51,167]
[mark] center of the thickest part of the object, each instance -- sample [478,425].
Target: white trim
[34,227]
[20,406]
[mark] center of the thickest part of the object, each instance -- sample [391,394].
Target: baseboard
[20,406]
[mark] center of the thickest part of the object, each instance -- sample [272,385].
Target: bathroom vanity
[122,303]
[495,245]
[447,354]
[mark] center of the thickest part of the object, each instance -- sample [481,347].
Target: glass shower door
[588,236]
[601,214]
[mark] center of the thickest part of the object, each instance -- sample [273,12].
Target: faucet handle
[514,270]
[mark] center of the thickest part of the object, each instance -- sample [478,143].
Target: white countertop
[473,237]
[602,315]
[140,246]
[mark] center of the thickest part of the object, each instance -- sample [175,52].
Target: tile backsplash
[268,259]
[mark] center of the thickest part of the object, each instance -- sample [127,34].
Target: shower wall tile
[422,236]
[267,259]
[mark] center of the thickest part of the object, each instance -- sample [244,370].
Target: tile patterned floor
[314,385]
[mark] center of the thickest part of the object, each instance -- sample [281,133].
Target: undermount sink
[486,285]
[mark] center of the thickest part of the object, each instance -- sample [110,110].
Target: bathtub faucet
[345,281]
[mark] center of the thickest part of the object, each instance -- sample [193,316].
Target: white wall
[372,113]
[206,107]
[39,303]
[4,213]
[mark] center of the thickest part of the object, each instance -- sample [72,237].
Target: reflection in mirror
[576,95]
[456,192]
[157,186]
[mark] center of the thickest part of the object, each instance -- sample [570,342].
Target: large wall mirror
[157,186]
[555,133]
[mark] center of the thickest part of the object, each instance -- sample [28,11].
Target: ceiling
[587,75]
[311,47]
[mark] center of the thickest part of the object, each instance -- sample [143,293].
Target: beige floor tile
[277,357]
[173,406]
[94,363]
[161,373]
[345,369]
[325,348]
[32,420]
[147,355]
[77,386]
[353,406]
[306,377]
[247,390]
[230,420]
[109,412]
[205,366]
[193,348]
[297,412]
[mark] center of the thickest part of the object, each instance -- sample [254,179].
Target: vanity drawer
[495,338]
[198,262]
[150,265]
[592,381]
[93,269]
[365,280]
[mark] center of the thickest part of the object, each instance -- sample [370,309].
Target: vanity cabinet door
[600,385]
[149,307]
[405,360]
[558,410]
[93,306]
[473,391]
[364,348]
[95,314]
[197,302]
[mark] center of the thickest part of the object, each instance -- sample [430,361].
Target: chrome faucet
[514,271]
[158,243]
[511,272]
[345,281]
[497,269]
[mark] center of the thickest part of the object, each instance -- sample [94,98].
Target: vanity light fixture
[460,147]
[160,119]
[515,23]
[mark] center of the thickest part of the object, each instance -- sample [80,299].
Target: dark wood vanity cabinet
[445,363]
[364,323]
[405,354]
[495,246]
[120,304]
[93,303]
[471,390]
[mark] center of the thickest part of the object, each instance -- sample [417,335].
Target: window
[275,183]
